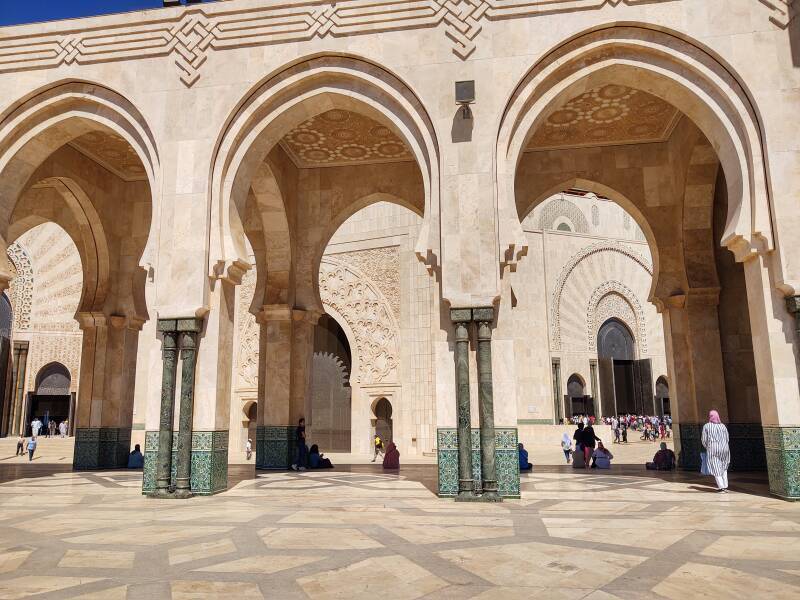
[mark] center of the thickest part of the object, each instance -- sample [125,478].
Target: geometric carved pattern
[340,137]
[21,286]
[506,458]
[369,316]
[555,304]
[62,348]
[249,332]
[613,299]
[190,34]
[613,114]
[561,207]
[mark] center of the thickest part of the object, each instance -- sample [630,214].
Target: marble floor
[357,532]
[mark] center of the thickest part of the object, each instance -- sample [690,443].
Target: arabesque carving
[368,314]
[249,331]
[21,292]
[617,300]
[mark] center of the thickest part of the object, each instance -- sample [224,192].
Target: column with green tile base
[746,442]
[209,473]
[506,461]
[783,460]
[461,317]
[483,317]
[275,446]
[101,448]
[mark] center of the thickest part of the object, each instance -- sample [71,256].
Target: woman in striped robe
[718,454]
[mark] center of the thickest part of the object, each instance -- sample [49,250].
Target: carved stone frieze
[614,299]
[247,358]
[382,267]
[21,287]
[189,35]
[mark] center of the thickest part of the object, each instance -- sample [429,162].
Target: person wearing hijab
[391,460]
[566,445]
[524,465]
[718,453]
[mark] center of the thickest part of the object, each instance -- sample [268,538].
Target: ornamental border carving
[189,35]
[350,293]
[569,267]
[602,291]
[21,286]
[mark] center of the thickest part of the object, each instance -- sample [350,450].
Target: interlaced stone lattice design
[190,34]
[249,331]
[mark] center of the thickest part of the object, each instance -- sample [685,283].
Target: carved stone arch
[614,299]
[366,314]
[559,207]
[21,295]
[569,267]
[49,197]
[37,125]
[332,227]
[288,97]
[680,71]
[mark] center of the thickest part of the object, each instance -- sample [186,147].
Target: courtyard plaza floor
[358,532]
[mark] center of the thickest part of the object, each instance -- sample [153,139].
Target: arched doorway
[383,420]
[330,386]
[662,396]
[625,382]
[577,401]
[52,400]
[249,424]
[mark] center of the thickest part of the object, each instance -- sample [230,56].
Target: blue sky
[14,12]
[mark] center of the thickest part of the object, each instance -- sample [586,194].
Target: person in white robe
[718,453]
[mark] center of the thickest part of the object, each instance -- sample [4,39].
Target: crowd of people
[714,457]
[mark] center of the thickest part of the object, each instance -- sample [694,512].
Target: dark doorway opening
[52,400]
[383,420]
[626,384]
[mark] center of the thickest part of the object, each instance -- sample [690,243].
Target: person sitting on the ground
[524,465]
[317,460]
[601,457]
[391,460]
[135,458]
[664,460]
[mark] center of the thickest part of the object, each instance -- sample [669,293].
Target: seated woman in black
[317,460]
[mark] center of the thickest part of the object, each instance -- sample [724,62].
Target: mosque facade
[451,222]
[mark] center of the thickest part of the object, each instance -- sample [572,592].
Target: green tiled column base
[783,460]
[746,444]
[209,461]
[101,448]
[506,456]
[275,446]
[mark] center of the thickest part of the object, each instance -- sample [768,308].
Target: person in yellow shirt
[378,443]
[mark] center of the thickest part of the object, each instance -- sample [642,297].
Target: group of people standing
[650,427]
[587,446]
[48,427]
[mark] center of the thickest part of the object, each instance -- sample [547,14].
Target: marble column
[20,369]
[167,416]
[484,317]
[188,330]
[461,318]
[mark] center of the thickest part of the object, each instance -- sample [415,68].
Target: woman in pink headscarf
[718,454]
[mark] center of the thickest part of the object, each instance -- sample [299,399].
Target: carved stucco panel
[369,315]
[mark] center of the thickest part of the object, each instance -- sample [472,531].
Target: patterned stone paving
[359,533]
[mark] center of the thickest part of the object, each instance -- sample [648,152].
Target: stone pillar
[461,318]
[697,379]
[188,330]
[169,349]
[484,317]
[20,369]
[286,349]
